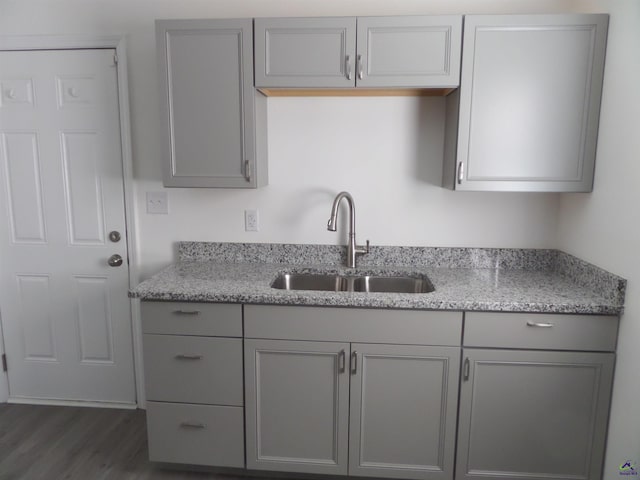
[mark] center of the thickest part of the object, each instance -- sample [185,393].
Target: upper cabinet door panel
[530,101]
[416,51]
[305,52]
[207,78]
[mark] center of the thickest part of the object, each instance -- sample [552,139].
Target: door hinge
[115,59]
[4,362]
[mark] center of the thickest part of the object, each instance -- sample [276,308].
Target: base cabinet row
[358,409]
[333,398]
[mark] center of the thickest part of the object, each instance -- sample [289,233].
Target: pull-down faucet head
[333,220]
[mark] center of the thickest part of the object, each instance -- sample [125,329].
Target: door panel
[305,52]
[297,400]
[411,51]
[555,428]
[403,411]
[24,188]
[65,312]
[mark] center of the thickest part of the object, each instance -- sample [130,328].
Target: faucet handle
[362,250]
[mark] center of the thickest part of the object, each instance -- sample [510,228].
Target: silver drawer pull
[192,425]
[181,356]
[186,312]
[539,325]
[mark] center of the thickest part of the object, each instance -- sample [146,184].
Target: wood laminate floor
[59,443]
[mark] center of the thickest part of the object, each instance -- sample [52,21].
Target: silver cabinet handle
[186,312]
[347,63]
[466,369]
[342,361]
[354,362]
[247,170]
[359,67]
[192,425]
[115,260]
[182,356]
[460,172]
[539,324]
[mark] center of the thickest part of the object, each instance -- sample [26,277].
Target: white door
[65,313]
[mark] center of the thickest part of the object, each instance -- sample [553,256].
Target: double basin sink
[330,282]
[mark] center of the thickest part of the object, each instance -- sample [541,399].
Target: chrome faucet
[352,248]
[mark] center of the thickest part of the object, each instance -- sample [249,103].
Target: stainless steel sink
[370,283]
[310,281]
[353,283]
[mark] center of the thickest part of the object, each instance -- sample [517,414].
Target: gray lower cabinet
[363,409]
[194,383]
[530,407]
[533,414]
[214,120]
[403,411]
[526,115]
[347,52]
[297,406]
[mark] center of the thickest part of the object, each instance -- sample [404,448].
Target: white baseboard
[71,403]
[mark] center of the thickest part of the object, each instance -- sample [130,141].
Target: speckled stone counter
[514,280]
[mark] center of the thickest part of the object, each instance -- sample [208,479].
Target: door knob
[115,260]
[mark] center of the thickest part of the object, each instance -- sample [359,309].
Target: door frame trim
[117,42]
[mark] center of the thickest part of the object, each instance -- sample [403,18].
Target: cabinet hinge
[4,362]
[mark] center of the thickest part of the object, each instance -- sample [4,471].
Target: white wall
[604,227]
[386,151]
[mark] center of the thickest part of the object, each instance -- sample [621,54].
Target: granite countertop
[512,280]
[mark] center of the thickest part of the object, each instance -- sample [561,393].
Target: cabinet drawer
[411,327]
[188,318]
[193,369]
[538,330]
[195,434]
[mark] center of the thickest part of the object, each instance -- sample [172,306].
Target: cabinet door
[297,400]
[403,411]
[305,52]
[530,102]
[533,415]
[209,103]
[415,51]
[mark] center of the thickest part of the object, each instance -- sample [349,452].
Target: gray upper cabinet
[334,52]
[536,415]
[305,52]
[417,51]
[214,122]
[529,103]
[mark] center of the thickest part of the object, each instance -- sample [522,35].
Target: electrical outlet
[158,203]
[251,223]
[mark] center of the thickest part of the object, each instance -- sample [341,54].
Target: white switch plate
[251,223]
[157,203]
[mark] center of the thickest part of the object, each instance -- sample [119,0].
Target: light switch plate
[157,203]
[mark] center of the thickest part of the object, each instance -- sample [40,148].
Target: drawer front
[411,327]
[193,369]
[543,331]
[189,318]
[195,434]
